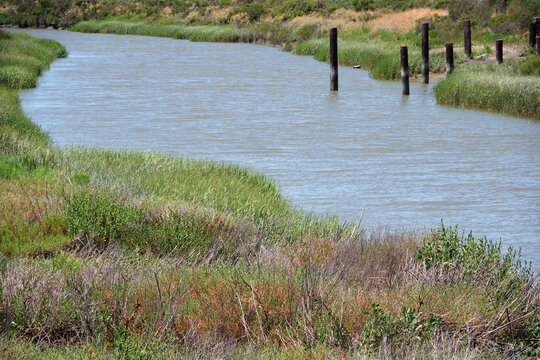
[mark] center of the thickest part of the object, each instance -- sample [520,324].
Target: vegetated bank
[135,255]
[512,88]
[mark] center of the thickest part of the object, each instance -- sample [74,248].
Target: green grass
[264,33]
[208,33]
[381,58]
[513,88]
[23,59]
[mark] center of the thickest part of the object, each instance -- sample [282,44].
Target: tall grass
[381,58]
[210,33]
[23,59]
[502,89]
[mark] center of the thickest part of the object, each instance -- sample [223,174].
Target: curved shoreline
[380,59]
[124,254]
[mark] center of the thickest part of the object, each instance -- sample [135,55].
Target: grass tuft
[512,89]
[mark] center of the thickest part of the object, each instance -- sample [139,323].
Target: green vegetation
[381,58]
[512,88]
[209,33]
[108,254]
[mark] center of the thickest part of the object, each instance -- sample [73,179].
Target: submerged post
[333,60]
[449,58]
[532,34]
[467,38]
[404,70]
[425,53]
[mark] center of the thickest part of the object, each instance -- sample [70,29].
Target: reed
[208,33]
[505,89]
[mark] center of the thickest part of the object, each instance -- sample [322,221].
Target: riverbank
[512,88]
[170,238]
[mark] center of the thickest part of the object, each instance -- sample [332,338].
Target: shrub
[362,5]
[102,217]
[254,11]
[446,247]
[530,66]
[293,8]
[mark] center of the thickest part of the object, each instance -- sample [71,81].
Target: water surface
[406,160]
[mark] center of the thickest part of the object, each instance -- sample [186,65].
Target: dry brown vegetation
[348,20]
[403,22]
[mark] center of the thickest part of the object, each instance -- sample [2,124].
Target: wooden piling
[404,70]
[449,58]
[532,34]
[499,51]
[425,53]
[333,60]
[467,38]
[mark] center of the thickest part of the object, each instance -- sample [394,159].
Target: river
[404,162]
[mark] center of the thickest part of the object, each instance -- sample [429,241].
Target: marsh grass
[19,66]
[381,58]
[136,255]
[512,89]
[209,33]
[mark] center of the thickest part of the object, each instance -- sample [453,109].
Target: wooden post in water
[333,60]
[532,34]
[467,38]
[449,58]
[425,53]
[499,51]
[538,45]
[404,70]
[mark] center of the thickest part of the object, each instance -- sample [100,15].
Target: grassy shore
[512,88]
[380,58]
[108,254]
[270,35]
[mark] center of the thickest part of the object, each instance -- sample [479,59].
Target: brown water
[408,161]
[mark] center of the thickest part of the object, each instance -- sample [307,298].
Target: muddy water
[407,161]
